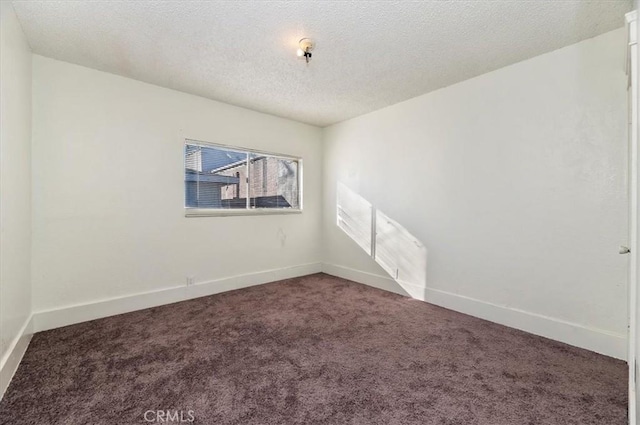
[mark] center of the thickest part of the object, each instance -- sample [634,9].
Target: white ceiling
[369,54]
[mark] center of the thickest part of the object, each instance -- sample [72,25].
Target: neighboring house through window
[221,178]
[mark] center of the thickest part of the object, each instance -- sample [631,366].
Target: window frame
[224,212]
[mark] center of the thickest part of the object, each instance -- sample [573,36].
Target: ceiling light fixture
[305,49]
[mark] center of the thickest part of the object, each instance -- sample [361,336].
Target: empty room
[319,212]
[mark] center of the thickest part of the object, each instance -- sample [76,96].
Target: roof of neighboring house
[214,159]
[196,176]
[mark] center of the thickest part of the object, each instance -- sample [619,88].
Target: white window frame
[224,212]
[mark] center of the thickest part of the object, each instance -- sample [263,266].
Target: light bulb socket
[306,46]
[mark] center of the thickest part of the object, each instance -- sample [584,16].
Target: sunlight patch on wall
[354,217]
[389,243]
[401,255]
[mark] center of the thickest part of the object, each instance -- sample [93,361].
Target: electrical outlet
[190,280]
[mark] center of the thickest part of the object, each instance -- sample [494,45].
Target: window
[223,180]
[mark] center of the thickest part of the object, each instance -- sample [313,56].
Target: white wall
[515,183]
[108,172]
[15,192]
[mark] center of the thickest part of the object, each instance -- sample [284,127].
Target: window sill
[204,212]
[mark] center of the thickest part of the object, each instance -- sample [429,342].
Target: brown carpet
[312,350]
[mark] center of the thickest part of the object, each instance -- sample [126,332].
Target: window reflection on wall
[389,243]
[354,215]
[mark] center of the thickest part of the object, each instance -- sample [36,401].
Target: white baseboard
[377,281]
[598,340]
[11,360]
[69,315]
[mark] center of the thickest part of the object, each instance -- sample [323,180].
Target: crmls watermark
[169,416]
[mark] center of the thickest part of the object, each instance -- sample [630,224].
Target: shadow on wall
[396,250]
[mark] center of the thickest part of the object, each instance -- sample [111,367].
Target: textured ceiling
[369,54]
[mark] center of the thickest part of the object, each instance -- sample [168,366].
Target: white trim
[598,340]
[632,72]
[69,315]
[12,358]
[370,279]
[214,212]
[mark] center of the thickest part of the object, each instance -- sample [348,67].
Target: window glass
[222,178]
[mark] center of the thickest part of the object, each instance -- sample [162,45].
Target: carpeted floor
[311,350]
